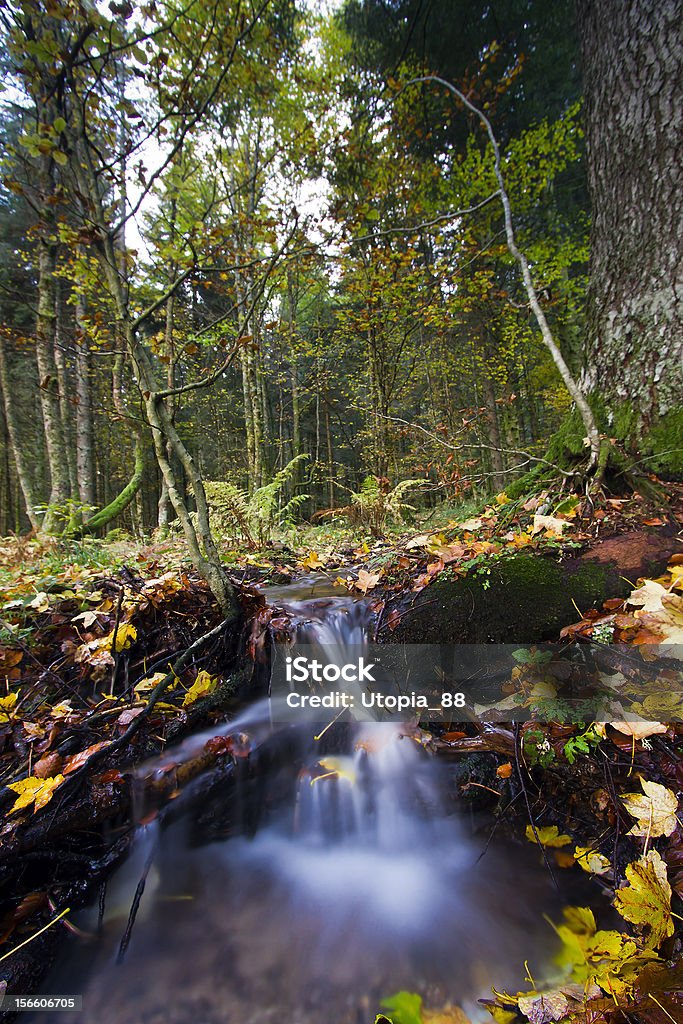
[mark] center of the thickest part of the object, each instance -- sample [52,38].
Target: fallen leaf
[77,761]
[34,791]
[47,766]
[6,705]
[544,1007]
[655,810]
[420,541]
[550,523]
[40,603]
[366,581]
[591,860]
[122,638]
[648,596]
[646,900]
[312,561]
[127,716]
[504,771]
[639,730]
[203,685]
[548,836]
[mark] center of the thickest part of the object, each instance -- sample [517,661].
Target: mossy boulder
[526,598]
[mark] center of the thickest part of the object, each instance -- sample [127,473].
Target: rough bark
[633,81]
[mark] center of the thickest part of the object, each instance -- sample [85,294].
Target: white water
[359,885]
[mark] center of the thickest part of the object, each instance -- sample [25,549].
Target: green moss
[524,599]
[658,450]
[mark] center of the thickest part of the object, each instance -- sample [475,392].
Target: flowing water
[344,889]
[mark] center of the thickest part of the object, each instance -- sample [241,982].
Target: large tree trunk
[633,79]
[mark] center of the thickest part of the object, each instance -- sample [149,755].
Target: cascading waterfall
[360,882]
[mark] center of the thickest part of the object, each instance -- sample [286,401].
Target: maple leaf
[549,836]
[551,524]
[34,791]
[312,561]
[366,581]
[639,730]
[203,685]
[646,900]
[606,958]
[655,810]
[591,860]
[126,635]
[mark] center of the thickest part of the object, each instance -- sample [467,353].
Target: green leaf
[59,124]
[405,1007]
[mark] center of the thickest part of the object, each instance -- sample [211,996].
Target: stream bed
[360,882]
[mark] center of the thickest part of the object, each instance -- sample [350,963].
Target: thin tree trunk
[497,460]
[23,475]
[48,385]
[85,462]
[64,388]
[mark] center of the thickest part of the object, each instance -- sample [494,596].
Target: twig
[135,905]
[32,937]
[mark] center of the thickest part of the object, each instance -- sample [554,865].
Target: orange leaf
[77,761]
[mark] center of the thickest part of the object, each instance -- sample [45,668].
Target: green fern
[252,518]
[373,508]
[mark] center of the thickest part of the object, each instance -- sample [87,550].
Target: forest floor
[111,652]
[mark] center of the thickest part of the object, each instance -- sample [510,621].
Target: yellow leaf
[500,1014]
[549,836]
[501,499]
[312,561]
[646,901]
[655,810]
[203,685]
[126,635]
[591,860]
[6,705]
[34,791]
[342,767]
[147,685]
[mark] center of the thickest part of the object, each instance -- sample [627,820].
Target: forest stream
[312,898]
